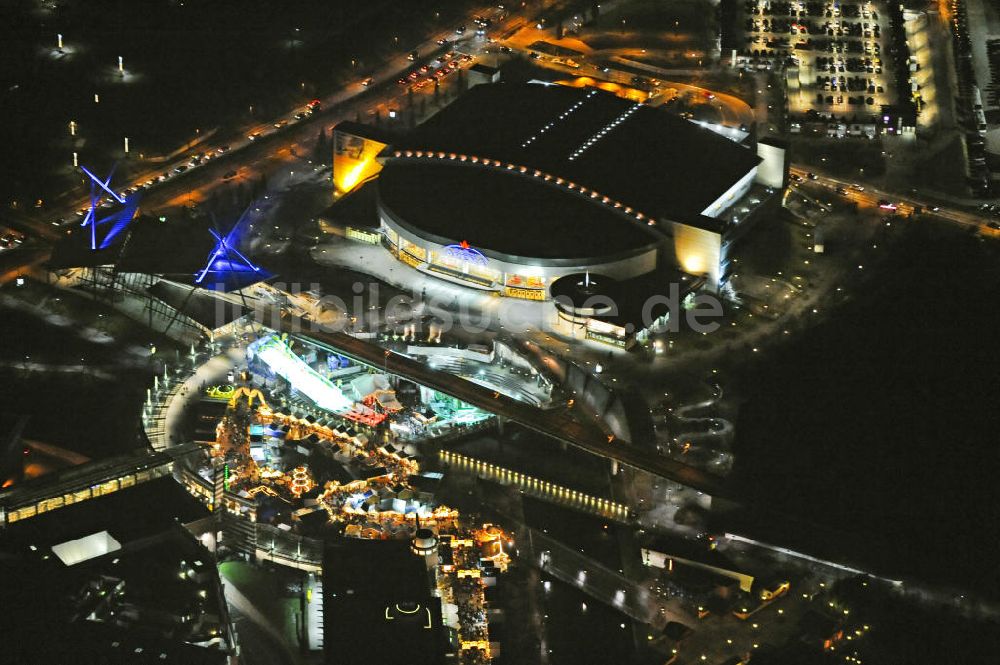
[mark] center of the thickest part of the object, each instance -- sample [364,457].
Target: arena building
[515,185]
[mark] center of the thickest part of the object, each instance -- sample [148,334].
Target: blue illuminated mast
[225,257]
[119,219]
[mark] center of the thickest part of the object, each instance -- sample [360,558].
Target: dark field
[878,429]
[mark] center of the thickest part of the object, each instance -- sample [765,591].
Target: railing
[542,489]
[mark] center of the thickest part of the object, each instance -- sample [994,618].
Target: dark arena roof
[649,160]
[505,215]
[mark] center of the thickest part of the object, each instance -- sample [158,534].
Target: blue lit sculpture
[225,257]
[126,207]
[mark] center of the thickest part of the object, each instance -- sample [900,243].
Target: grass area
[769,248]
[896,383]
[683,25]
[209,65]
[687,16]
[941,168]
[843,158]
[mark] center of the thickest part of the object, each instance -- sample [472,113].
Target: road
[381,90]
[905,205]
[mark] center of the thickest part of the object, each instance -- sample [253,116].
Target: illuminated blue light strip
[221,251]
[123,219]
[103,185]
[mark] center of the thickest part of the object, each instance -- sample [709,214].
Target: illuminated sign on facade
[527,294]
[607,339]
[464,252]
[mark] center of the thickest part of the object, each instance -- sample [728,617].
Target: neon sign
[464,252]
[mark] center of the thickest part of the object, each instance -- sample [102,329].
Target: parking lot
[834,54]
[435,70]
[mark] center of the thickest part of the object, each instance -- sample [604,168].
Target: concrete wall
[773,170]
[732,195]
[698,252]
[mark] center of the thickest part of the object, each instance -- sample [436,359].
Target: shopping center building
[515,185]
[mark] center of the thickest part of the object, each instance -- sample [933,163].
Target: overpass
[555,425]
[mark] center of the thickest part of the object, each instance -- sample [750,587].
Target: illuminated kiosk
[425,545]
[515,185]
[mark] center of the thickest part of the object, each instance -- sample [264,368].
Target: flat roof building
[378,607]
[113,579]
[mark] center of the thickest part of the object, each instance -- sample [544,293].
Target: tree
[322,146]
